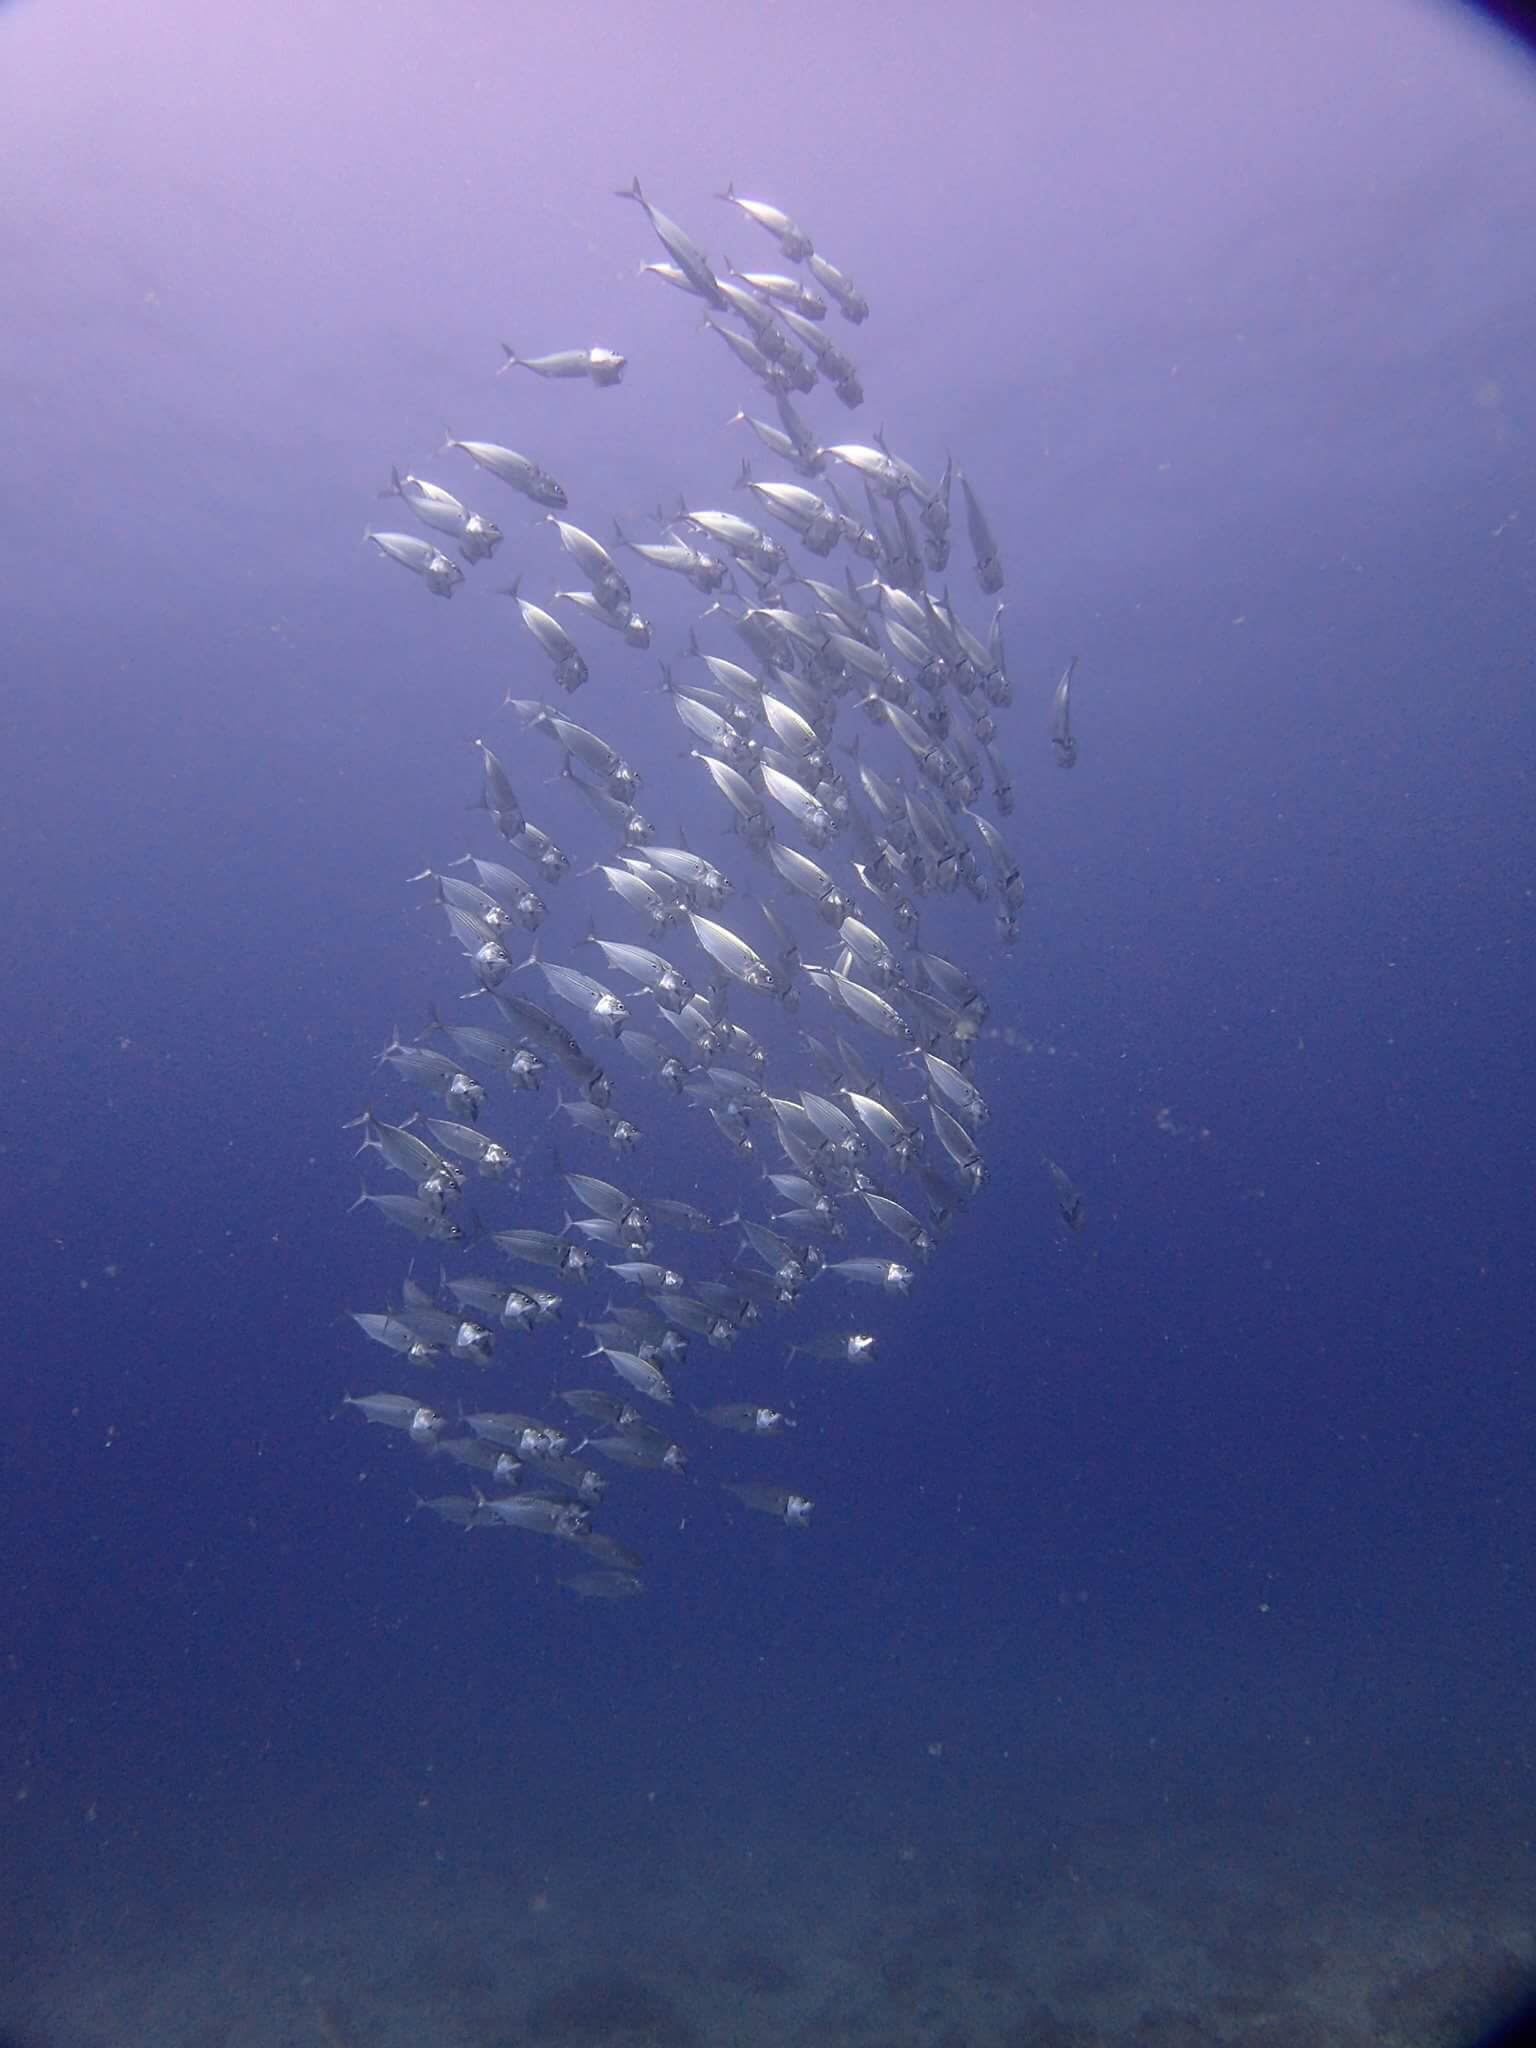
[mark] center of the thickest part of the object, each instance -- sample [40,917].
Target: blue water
[1158,1660]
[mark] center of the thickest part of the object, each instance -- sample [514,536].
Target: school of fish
[764,985]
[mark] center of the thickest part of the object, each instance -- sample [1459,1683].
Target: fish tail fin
[512,356]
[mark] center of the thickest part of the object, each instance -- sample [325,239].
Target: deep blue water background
[1224,1505]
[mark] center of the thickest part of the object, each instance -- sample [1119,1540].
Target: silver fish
[703,571]
[851,302]
[541,1514]
[438,571]
[636,630]
[640,1373]
[701,877]
[564,655]
[784,290]
[602,365]
[747,1419]
[962,1094]
[813,818]
[520,471]
[793,1509]
[1061,720]
[989,570]
[900,1221]
[398,1411]
[1068,1201]
[478,537]
[863,1003]
[546,1248]
[884,1273]
[621,1134]
[594,562]
[643,1448]
[668,984]
[846,1347]
[733,955]
[680,246]
[603,1585]
[601,1007]
[491,1159]
[793,240]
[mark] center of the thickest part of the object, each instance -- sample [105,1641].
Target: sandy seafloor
[1162,1908]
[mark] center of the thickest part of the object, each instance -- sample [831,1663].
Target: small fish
[734,955]
[746,1419]
[602,365]
[601,1122]
[412,1213]
[653,1278]
[682,1215]
[600,1406]
[782,289]
[601,1007]
[491,1159]
[874,1273]
[793,240]
[1061,720]
[457,1509]
[845,1347]
[793,1509]
[684,251]
[522,473]
[603,1585]
[641,1447]
[541,1514]
[564,655]
[989,570]
[1068,1201]
[478,537]
[594,562]
[962,1094]
[813,818]
[395,1335]
[838,286]
[636,630]
[863,1003]
[546,1248]
[900,1221]
[959,1144]
[398,1411]
[438,571]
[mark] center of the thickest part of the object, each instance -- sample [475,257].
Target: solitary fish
[1061,720]
[793,1509]
[1068,1200]
[601,365]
